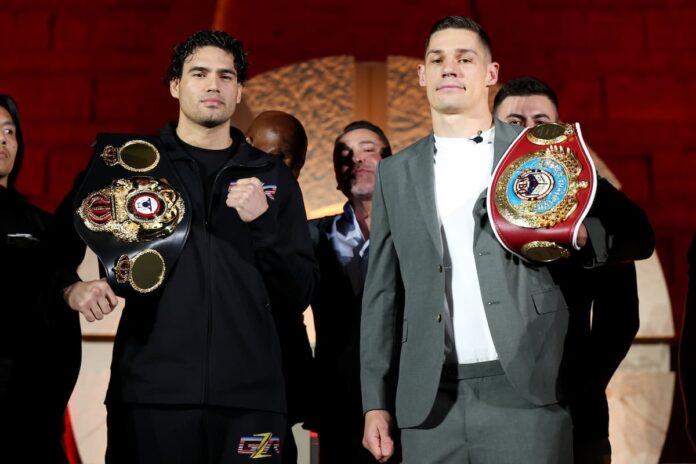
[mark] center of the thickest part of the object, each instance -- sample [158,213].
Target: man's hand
[248,198]
[94,299]
[377,438]
[582,236]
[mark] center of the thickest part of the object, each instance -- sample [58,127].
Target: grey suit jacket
[403,326]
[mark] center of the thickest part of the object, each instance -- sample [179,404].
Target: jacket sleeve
[379,320]
[283,249]
[67,250]
[618,229]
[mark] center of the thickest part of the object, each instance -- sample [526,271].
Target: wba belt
[541,190]
[132,211]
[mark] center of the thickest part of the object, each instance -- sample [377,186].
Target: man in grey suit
[462,341]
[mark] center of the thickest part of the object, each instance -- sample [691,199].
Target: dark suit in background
[339,417]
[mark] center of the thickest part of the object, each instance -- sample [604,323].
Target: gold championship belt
[541,191]
[136,224]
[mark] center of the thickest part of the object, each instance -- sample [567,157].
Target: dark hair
[209,38]
[524,87]
[9,104]
[386,151]
[461,22]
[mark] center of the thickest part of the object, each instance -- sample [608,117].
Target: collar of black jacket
[243,154]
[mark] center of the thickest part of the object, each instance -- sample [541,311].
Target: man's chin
[213,122]
[360,192]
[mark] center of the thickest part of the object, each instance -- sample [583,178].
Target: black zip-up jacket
[208,338]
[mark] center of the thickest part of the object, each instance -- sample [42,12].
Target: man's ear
[492,74]
[421,75]
[239,93]
[174,88]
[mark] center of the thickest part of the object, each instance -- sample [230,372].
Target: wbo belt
[541,191]
[131,210]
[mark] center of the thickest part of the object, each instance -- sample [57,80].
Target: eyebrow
[219,71]
[459,51]
[519,116]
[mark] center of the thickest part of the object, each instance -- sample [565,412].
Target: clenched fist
[248,198]
[94,299]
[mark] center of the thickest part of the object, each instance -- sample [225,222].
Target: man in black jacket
[606,320]
[196,373]
[39,365]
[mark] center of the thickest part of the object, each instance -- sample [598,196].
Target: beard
[209,121]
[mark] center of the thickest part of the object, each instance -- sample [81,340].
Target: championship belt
[132,211]
[541,191]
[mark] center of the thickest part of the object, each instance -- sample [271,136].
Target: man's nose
[213,84]
[358,156]
[449,67]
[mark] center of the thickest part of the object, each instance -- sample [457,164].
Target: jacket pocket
[549,301]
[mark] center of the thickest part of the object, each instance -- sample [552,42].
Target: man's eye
[9,131]
[515,122]
[436,60]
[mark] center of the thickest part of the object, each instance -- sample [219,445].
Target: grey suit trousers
[479,418]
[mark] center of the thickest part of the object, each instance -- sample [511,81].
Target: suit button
[439,317]
[440,268]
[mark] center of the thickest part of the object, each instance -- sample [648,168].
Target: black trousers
[156,434]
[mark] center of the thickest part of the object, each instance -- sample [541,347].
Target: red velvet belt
[541,191]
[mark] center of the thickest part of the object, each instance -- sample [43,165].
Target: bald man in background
[282,135]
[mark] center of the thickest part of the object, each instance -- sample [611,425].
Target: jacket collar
[243,154]
[421,174]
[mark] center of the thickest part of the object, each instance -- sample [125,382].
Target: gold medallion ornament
[136,209]
[134,155]
[549,134]
[144,272]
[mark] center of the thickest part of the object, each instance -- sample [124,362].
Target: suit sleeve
[283,249]
[379,310]
[618,229]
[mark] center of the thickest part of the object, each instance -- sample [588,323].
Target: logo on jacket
[260,445]
[268,189]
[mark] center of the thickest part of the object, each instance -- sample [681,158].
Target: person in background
[342,246]
[39,335]
[602,329]
[281,135]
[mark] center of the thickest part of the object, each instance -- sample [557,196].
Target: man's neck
[211,138]
[461,125]
[363,214]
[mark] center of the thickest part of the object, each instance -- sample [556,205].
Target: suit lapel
[420,176]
